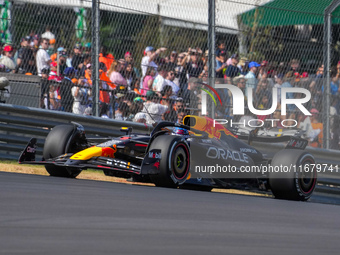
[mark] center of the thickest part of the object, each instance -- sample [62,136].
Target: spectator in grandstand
[148,80]
[180,116]
[45,88]
[305,80]
[42,58]
[53,72]
[170,115]
[159,82]
[240,81]
[193,65]
[140,117]
[54,96]
[135,86]
[263,89]
[51,47]
[153,109]
[88,111]
[104,95]
[191,95]
[148,59]
[180,73]
[220,47]
[243,65]
[251,77]
[316,96]
[232,70]
[77,58]
[87,49]
[169,80]
[69,59]
[316,136]
[65,89]
[221,63]
[115,77]
[48,34]
[128,57]
[173,60]
[334,84]
[263,103]
[135,107]
[7,59]
[319,79]
[263,69]
[129,74]
[122,111]
[335,133]
[178,105]
[294,65]
[103,76]
[59,51]
[35,43]
[25,58]
[88,74]
[333,109]
[104,111]
[86,61]
[62,61]
[122,66]
[205,73]
[225,110]
[166,96]
[80,95]
[278,83]
[105,57]
[205,57]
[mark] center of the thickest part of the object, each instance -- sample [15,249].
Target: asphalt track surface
[49,215]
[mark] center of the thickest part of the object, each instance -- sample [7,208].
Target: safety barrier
[18,124]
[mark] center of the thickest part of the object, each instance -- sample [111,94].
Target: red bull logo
[209,126]
[109,151]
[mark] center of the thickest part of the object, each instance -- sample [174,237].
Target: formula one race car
[176,155]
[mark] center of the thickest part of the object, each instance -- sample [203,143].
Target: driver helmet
[180,131]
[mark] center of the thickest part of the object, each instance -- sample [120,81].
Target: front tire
[174,163]
[59,141]
[297,184]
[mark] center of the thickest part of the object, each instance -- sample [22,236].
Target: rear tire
[293,185]
[174,163]
[58,142]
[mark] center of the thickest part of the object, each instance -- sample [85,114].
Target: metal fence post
[95,57]
[211,48]
[327,65]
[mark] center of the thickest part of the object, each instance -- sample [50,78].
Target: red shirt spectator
[105,57]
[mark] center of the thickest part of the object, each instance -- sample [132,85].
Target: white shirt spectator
[78,100]
[48,35]
[154,112]
[42,60]
[159,83]
[174,86]
[251,82]
[146,63]
[6,61]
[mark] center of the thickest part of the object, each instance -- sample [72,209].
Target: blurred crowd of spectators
[166,84]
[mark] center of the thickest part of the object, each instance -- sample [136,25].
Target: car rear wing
[294,142]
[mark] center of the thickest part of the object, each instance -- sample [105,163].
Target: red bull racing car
[199,154]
